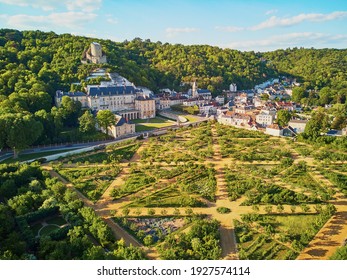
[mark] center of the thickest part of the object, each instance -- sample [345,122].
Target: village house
[207,109]
[298,125]
[244,108]
[264,119]
[220,99]
[234,119]
[274,130]
[121,128]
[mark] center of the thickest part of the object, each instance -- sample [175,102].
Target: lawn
[48,229]
[294,224]
[58,220]
[150,124]
[25,157]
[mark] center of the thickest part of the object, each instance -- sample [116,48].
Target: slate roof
[203,91]
[121,122]
[333,132]
[111,90]
[70,94]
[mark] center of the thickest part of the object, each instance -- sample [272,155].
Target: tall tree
[105,119]
[283,117]
[22,130]
[298,94]
[71,110]
[87,122]
[317,124]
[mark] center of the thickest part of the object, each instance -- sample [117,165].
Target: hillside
[47,61]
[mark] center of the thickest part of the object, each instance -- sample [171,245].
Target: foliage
[87,122]
[223,210]
[200,243]
[105,119]
[283,117]
[340,254]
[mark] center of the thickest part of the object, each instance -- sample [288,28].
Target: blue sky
[244,25]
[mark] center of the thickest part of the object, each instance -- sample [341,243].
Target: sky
[238,24]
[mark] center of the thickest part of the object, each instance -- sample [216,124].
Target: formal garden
[279,194]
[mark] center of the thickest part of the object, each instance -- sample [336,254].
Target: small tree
[189,211]
[148,240]
[268,209]
[125,212]
[176,212]
[305,208]
[255,208]
[280,208]
[151,212]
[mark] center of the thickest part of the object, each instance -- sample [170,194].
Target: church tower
[195,89]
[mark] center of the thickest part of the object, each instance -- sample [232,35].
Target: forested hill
[44,61]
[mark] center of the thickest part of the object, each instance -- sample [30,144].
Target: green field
[151,124]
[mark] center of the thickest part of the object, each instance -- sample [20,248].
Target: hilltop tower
[94,54]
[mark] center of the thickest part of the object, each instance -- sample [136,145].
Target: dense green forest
[34,64]
[52,61]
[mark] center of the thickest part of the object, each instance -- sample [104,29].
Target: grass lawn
[36,228]
[48,229]
[191,118]
[25,157]
[150,124]
[294,224]
[56,220]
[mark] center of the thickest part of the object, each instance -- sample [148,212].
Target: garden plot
[48,225]
[168,197]
[151,230]
[304,181]
[339,179]
[109,155]
[90,181]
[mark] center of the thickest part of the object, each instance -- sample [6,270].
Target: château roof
[60,93]
[111,90]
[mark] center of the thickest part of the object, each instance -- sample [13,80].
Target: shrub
[223,210]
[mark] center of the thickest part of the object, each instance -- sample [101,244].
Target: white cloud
[230,28]
[275,21]
[270,12]
[70,20]
[87,6]
[46,5]
[171,31]
[289,21]
[298,39]
[112,20]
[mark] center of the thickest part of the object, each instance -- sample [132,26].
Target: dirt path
[227,234]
